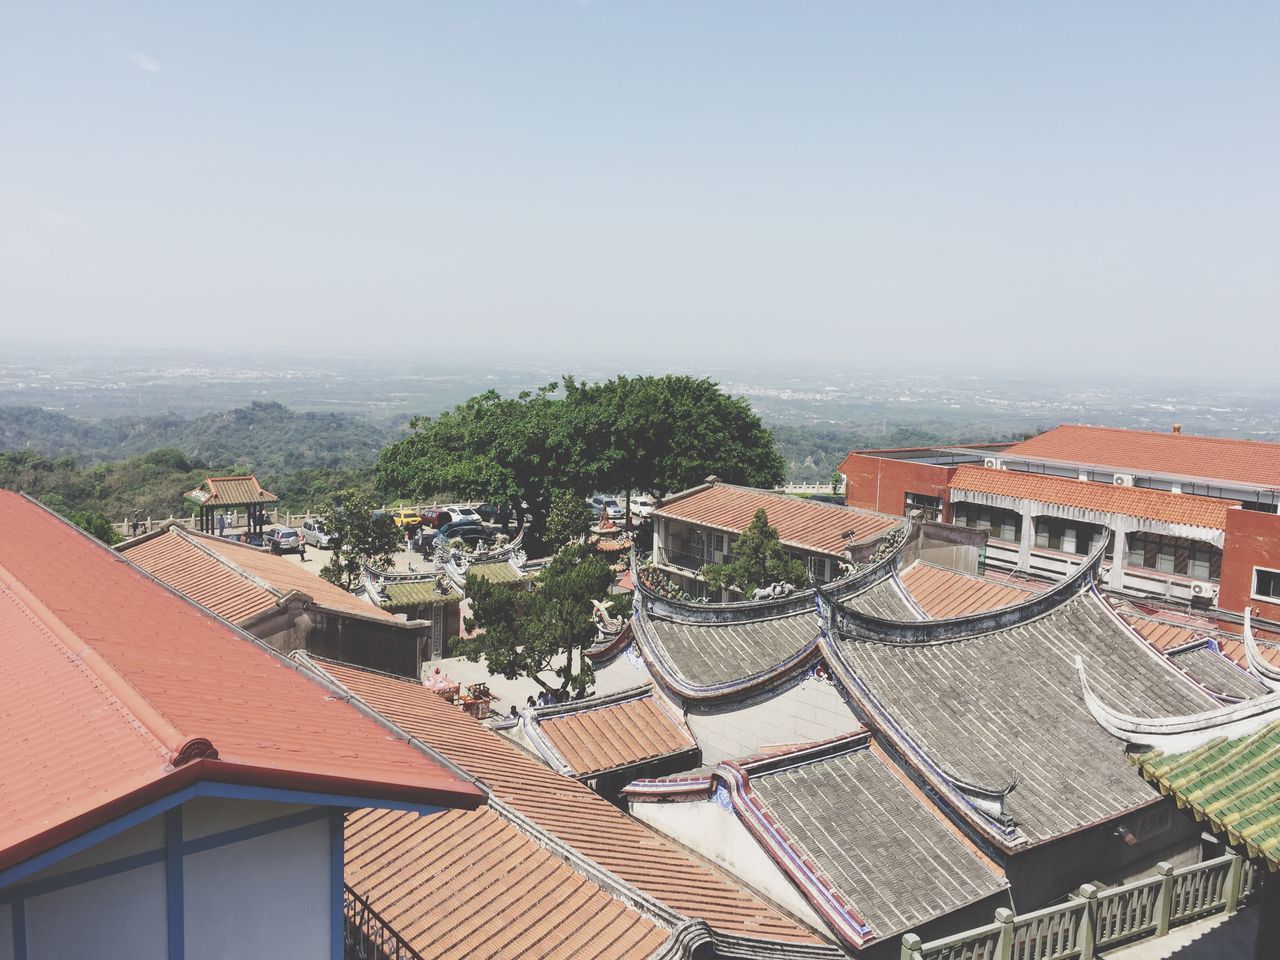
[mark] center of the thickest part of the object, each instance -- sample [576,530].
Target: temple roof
[231,492]
[235,580]
[807,524]
[418,593]
[1207,666]
[941,593]
[1229,783]
[1004,705]
[867,849]
[117,692]
[885,599]
[703,656]
[570,812]
[588,737]
[463,878]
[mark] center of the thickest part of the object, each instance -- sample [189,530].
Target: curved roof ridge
[668,673]
[750,611]
[847,621]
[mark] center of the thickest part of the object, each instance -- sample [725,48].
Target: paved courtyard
[1213,938]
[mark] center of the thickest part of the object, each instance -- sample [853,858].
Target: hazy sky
[1087,185]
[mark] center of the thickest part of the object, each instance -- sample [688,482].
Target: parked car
[492,513]
[435,517]
[404,517]
[461,513]
[468,530]
[314,533]
[282,540]
[642,506]
[605,506]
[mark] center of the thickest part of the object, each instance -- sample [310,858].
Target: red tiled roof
[231,492]
[808,524]
[1129,501]
[235,580]
[568,810]
[1166,636]
[1135,451]
[943,593]
[450,882]
[117,691]
[615,734]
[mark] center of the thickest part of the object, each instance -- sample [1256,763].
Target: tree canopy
[359,538]
[569,520]
[652,434]
[545,630]
[759,559]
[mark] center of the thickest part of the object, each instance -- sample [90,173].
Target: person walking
[302,549]
[222,524]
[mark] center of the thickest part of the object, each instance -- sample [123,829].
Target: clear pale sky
[1087,185]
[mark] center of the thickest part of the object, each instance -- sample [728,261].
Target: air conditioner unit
[991,463]
[1204,590]
[1123,479]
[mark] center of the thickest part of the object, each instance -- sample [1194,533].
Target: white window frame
[1253,585]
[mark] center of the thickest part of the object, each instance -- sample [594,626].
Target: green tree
[543,631]
[758,561]
[569,519]
[360,538]
[662,434]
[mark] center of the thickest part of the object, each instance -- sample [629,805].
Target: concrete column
[1120,528]
[1028,539]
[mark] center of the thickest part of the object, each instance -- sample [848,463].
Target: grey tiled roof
[707,655]
[1216,672]
[1008,703]
[882,599]
[894,861]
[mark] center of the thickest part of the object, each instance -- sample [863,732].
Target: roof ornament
[774,591]
[1258,664]
[197,748]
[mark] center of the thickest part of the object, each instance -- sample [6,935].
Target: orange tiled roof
[117,691]
[231,492]
[1165,636]
[235,580]
[943,593]
[1210,458]
[452,881]
[809,524]
[1130,501]
[616,734]
[568,810]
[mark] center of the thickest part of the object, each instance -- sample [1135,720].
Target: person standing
[222,524]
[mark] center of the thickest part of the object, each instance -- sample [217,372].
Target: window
[1260,507]
[719,543]
[1003,524]
[930,507]
[1186,558]
[1266,583]
[1066,536]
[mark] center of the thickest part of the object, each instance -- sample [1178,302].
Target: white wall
[264,896]
[718,835]
[811,710]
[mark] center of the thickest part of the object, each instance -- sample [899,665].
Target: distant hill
[264,437]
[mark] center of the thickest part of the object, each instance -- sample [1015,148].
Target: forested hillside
[267,438]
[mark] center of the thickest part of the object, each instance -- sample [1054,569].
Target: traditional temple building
[548,869]
[1186,519]
[171,786]
[699,526]
[281,601]
[240,497]
[837,834]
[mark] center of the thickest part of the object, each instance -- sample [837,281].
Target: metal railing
[685,561]
[368,936]
[1100,918]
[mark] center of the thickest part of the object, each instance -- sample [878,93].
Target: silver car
[282,540]
[314,533]
[605,506]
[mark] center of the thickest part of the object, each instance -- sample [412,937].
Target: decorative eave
[1180,734]
[1262,668]
[845,621]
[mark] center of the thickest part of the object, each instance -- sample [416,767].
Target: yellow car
[406,518]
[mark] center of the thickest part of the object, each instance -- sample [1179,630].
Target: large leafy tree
[759,560]
[569,520]
[544,631]
[514,451]
[359,538]
[662,434]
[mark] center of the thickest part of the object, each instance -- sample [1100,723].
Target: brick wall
[1252,540]
[875,483]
